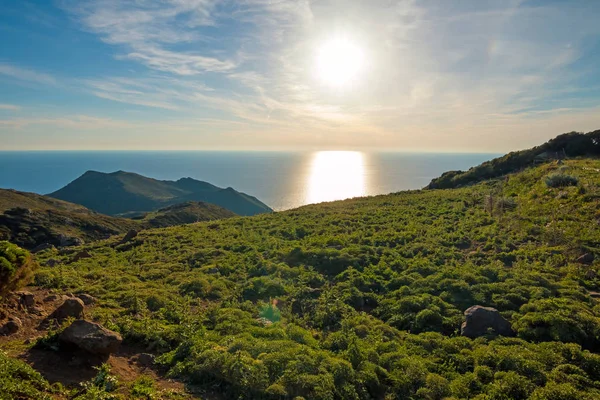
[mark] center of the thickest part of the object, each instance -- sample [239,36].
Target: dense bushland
[363,298]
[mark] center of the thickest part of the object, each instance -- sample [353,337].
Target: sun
[339,62]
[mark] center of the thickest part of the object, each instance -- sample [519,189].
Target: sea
[282,180]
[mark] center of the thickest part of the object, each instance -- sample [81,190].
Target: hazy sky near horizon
[480,75]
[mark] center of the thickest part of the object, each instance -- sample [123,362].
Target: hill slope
[572,144]
[127,193]
[185,213]
[29,219]
[364,298]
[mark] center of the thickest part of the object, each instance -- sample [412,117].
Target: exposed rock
[54,297]
[66,251]
[480,320]
[26,299]
[81,255]
[145,359]
[130,235]
[264,321]
[12,326]
[587,259]
[36,310]
[52,262]
[591,274]
[65,241]
[91,337]
[71,308]
[86,298]
[32,339]
[19,211]
[42,247]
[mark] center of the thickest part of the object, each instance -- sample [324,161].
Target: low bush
[561,180]
[19,381]
[16,267]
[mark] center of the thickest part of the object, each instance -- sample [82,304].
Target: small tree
[16,267]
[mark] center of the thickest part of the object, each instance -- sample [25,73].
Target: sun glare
[339,62]
[336,175]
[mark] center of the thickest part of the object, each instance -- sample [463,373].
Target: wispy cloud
[147,29]
[436,73]
[25,74]
[9,107]
[77,122]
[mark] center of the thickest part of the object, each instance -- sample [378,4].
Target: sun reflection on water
[336,175]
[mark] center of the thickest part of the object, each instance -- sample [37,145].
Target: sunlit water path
[283,180]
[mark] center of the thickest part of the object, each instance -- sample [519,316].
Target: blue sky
[481,75]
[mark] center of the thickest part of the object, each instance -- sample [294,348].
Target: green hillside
[572,144]
[125,193]
[364,298]
[30,220]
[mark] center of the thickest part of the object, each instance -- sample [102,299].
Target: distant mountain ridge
[121,193]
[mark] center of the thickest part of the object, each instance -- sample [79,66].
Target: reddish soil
[69,367]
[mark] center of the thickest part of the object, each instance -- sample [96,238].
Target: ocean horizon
[282,180]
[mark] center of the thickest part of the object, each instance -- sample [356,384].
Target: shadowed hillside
[124,193]
[185,213]
[30,220]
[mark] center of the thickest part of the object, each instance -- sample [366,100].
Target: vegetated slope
[29,219]
[572,144]
[185,213]
[128,193]
[364,298]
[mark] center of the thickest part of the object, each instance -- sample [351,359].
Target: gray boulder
[26,299]
[52,262]
[587,259]
[12,326]
[130,235]
[481,320]
[81,255]
[145,359]
[54,297]
[42,247]
[71,308]
[86,298]
[66,241]
[91,337]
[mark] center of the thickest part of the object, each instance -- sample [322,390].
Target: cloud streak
[9,107]
[146,29]
[25,74]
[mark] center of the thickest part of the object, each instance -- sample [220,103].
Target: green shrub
[144,387]
[19,381]
[16,267]
[561,180]
[101,387]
